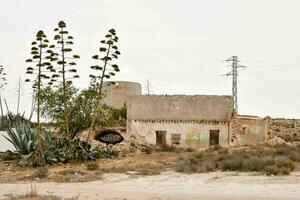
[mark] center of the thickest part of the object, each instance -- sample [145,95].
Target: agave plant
[23,137]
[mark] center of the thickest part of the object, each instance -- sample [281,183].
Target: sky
[180,46]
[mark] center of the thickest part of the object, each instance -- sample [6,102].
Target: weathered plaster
[193,134]
[180,107]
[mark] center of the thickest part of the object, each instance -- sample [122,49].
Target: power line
[275,99]
[273,60]
[272,83]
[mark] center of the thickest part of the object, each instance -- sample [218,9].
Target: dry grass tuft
[41,172]
[92,165]
[33,195]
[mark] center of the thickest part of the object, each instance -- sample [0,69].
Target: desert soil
[170,185]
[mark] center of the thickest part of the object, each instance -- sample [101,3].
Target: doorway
[161,138]
[214,137]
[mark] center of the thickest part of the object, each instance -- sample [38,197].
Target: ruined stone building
[196,121]
[188,121]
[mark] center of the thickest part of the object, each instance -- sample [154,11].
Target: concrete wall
[180,107]
[118,94]
[194,134]
[249,129]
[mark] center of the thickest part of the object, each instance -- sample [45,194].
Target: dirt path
[170,185]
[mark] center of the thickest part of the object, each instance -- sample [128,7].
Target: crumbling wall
[249,129]
[117,95]
[194,134]
[287,129]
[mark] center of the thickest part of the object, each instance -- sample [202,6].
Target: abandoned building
[188,121]
[196,121]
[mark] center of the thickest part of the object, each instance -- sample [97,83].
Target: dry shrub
[148,150]
[41,172]
[275,170]
[256,163]
[33,191]
[149,170]
[194,165]
[92,165]
[234,164]
[292,152]
[167,148]
[72,172]
[61,178]
[67,175]
[76,175]
[172,148]
[33,194]
[8,156]
[280,160]
[283,162]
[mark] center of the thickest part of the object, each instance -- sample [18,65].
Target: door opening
[161,138]
[214,137]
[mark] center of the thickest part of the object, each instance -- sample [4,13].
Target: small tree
[66,70]
[2,85]
[105,70]
[40,56]
[52,106]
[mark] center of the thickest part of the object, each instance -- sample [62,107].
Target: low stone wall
[287,129]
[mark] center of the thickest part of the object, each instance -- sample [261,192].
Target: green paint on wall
[196,139]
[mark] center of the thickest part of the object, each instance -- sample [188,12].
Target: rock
[276,140]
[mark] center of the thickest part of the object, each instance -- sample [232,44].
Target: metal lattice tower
[234,73]
[148,87]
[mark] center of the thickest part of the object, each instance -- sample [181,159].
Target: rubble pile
[286,129]
[130,144]
[276,141]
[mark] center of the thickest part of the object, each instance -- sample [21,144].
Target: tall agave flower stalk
[39,71]
[64,66]
[105,70]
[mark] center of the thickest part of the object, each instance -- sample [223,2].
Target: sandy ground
[171,185]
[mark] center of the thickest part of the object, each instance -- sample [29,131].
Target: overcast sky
[179,45]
